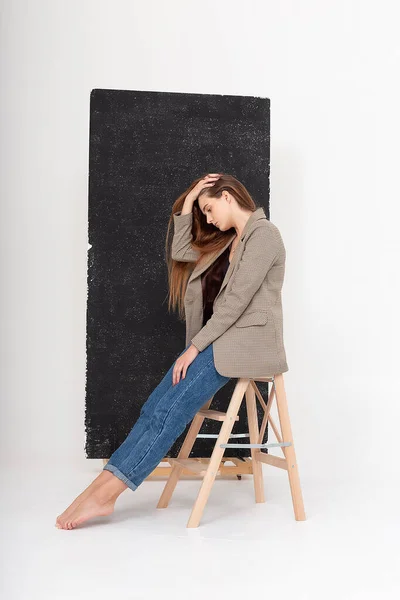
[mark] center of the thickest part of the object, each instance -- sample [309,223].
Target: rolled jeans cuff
[121,476]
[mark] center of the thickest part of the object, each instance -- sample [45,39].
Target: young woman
[226,268]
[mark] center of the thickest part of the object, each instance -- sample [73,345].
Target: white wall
[331,71]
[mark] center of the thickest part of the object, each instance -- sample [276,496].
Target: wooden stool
[248,388]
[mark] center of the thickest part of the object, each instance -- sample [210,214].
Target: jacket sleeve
[181,248]
[262,248]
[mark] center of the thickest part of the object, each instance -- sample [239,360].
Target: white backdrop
[331,71]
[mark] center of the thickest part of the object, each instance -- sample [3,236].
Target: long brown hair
[205,238]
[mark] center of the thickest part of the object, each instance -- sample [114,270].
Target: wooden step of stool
[192,465]
[248,388]
[215,415]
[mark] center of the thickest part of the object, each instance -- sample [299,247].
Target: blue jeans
[163,418]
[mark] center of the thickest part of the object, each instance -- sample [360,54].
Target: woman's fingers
[176,374]
[210,179]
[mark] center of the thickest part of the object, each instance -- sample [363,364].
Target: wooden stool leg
[294,480]
[183,453]
[218,452]
[252,419]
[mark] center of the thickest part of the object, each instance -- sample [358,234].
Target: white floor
[348,547]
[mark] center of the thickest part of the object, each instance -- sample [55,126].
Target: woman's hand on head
[206,182]
[182,363]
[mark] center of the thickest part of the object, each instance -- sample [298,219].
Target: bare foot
[100,479]
[87,509]
[99,503]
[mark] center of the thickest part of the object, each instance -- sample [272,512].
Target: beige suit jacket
[246,327]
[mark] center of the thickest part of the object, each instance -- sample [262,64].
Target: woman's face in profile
[215,210]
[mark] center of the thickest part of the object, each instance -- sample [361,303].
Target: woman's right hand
[206,182]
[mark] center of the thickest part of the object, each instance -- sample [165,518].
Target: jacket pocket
[255,317]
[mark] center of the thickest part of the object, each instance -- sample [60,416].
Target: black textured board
[145,149]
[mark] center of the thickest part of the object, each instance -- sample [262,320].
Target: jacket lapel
[199,269]
[257,214]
